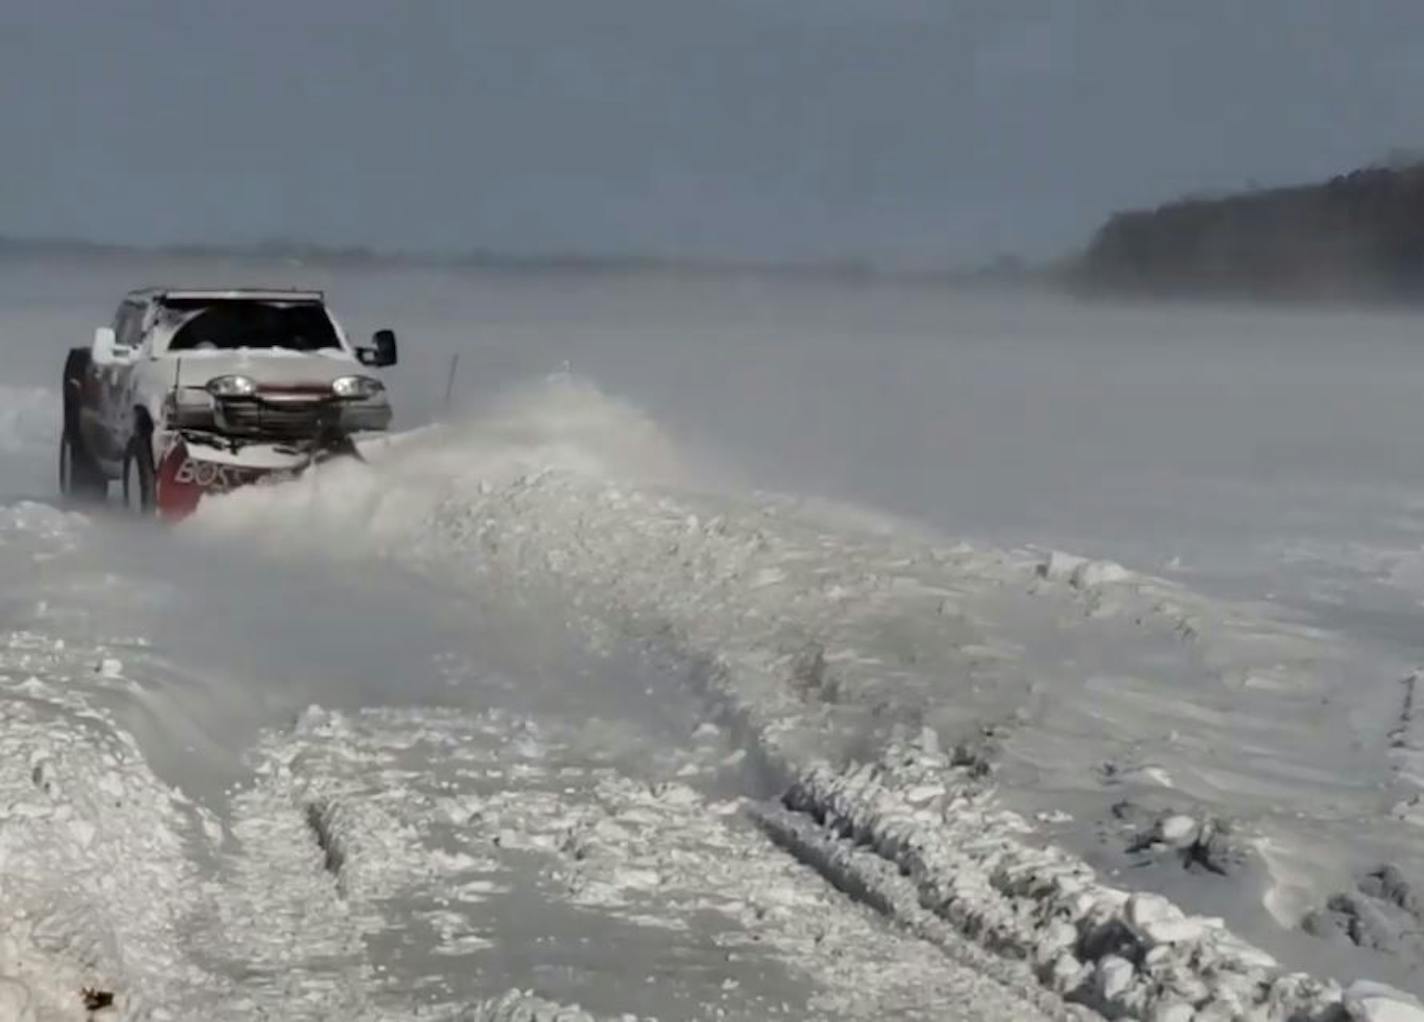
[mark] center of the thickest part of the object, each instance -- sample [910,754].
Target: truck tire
[80,478]
[139,478]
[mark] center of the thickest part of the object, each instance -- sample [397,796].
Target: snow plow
[192,393]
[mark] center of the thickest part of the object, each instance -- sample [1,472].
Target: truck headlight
[231,386]
[357,386]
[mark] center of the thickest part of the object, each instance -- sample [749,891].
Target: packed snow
[736,649]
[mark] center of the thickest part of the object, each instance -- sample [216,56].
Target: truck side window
[126,328]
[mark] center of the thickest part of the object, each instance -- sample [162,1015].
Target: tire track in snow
[276,923]
[501,831]
[1406,743]
[113,881]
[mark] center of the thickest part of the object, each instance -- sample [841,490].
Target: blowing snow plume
[561,426]
[958,674]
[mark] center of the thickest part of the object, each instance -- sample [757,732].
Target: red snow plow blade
[183,478]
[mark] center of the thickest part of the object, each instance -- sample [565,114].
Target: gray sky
[896,129]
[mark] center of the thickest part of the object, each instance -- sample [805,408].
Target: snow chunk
[921,793]
[1143,910]
[1059,566]
[1067,973]
[1091,574]
[1114,977]
[1173,1011]
[1376,1002]
[1080,572]
[1178,830]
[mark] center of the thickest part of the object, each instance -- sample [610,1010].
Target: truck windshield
[225,325]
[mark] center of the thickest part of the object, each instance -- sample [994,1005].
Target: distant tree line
[1357,236]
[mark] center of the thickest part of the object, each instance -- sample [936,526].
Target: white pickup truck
[195,391]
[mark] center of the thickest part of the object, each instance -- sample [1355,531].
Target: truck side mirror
[382,351]
[107,350]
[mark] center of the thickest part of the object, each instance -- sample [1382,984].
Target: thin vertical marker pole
[450,383]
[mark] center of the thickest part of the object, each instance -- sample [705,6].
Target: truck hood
[267,367]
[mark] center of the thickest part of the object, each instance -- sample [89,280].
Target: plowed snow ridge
[828,642]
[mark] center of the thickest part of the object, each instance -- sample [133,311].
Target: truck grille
[288,419]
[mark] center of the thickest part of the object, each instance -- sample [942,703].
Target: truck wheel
[80,479]
[139,483]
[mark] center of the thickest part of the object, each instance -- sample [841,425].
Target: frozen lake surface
[514,705]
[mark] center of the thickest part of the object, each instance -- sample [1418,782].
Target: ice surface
[1238,737]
